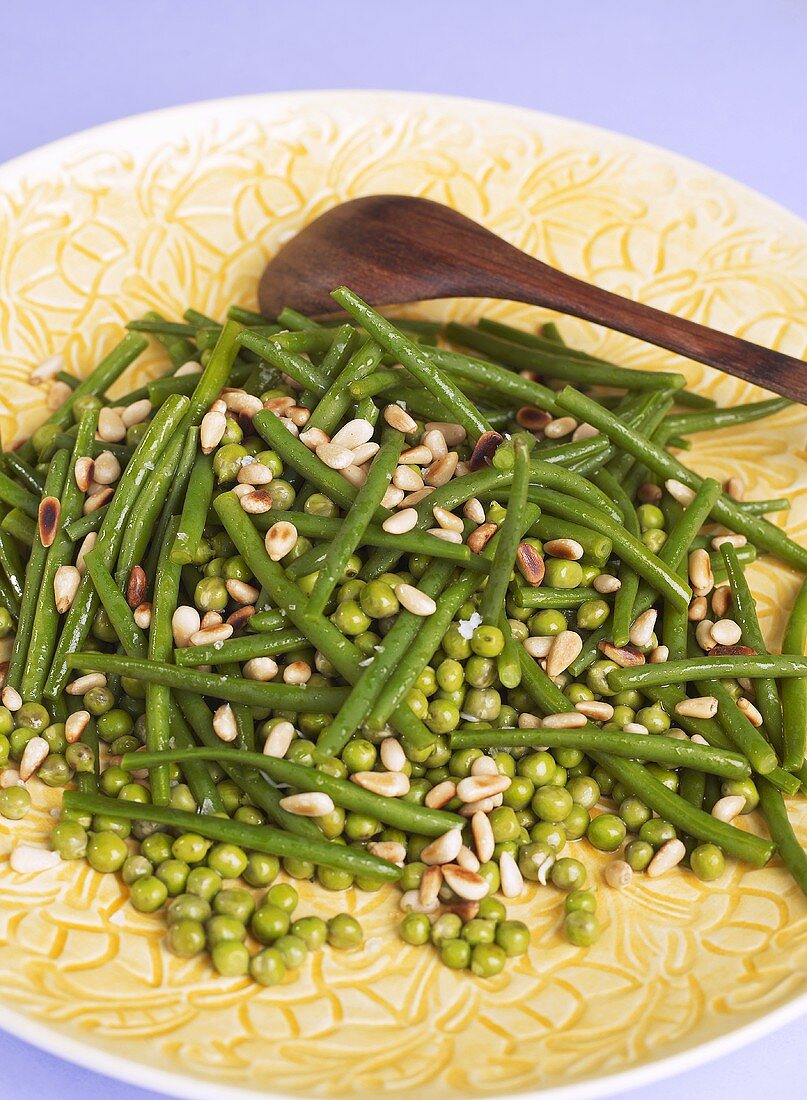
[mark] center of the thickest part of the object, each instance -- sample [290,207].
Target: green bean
[20,526]
[650,567]
[322,634]
[409,542]
[764,507]
[180,349]
[766,695]
[173,499]
[194,510]
[748,740]
[367,502]
[303,700]
[509,535]
[162,328]
[390,811]
[634,746]
[54,486]
[782,834]
[299,368]
[8,598]
[28,477]
[79,618]
[11,563]
[146,511]
[245,648]
[298,322]
[215,375]
[196,772]
[794,692]
[95,447]
[596,547]
[45,626]
[158,696]
[508,385]
[245,316]
[534,354]
[672,553]
[508,662]
[651,791]
[335,402]
[692,787]
[257,788]
[622,617]
[763,534]
[414,360]
[559,599]
[160,388]
[267,621]
[707,421]
[255,838]
[713,668]
[694,400]
[129,634]
[17,497]
[96,384]
[344,342]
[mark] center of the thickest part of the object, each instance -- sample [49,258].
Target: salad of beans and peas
[348,603]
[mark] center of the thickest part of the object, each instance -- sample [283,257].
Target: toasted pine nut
[106,470]
[191,367]
[392,755]
[65,586]
[478,539]
[298,672]
[750,711]
[416,456]
[224,724]
[279,405]
[466,884]
[648,493]
[33,755]
[557,429]
[313,437]
[240,591]
[87,545]
[452,433]
[595,710]
[566,720]
[399,419]
[136,586]
[257,503]
[45,370]
[442,469]
[484,765]
[308,804]
[446,536]
[668,856]
[512,881]
[730,540]
[473,510]
[659,655]
[482,805]
[721,601]
[280,539]
[680,492]
[111,428]
[12,700]
[211,431]
[444,849]
[430,883]
[436,444]
[641,631]
[534,420]
[447,520]
[635,727]
[584,431]
[254,473]
[606,583]
[401,522]
[703,634]
[209,635]
[299,415]
[704,706]
[136,413]
[569,549]
[440,794]
[393,497]
[406,478]
[243,403]
[414,600]
[467,860]
[410,903]
[142,615]
[97,500]
[728,807]
[185,622]
[624,656]
[530,564]
[354,433]
[211,618]
[262,669]
[484,840]
[83,472]
[565,648]
[280,737]
[363,454]
[48,516]
[726,632]
[528,721]
[389,784]
[735,488]
[698,609]
[473,788]
[700,572]
[388,849]
[538,646]
[411,499]
[618,874]
[85,683]
[75,724]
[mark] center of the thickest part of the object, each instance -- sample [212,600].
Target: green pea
[220,929]
[580,901]
[487,960]
[597,677]
[489,871]
[654,540]
[68,838]
[551,803]
[313,931]
[606,832]
[487,641]
[267,967]
[576,823]
[188,907]
[638,854]
[592,614]
[483,704]
[746,788]
[519,794]
[634,813]
[32,716]
[299,868]
[446,927]
[15,802]
[504,824]
[455,954]
[230,959]
[513,936]
[261,869]
[707,862]
[584,791]
[332,878]
[412,873]
[454,645]
[122,828]
[211,594]
[283,895]
[236,569]
[235,902]
[378,600]
[148,894]
[344,932]
[157,847]
[581,929]
[657,831]
[359,755]
[292,951]
[360,826]
[227,461]
[450,675]
[651,518]
[578,693]
[106,852]
[477,930]
[174,873]
[568,874]
[415,929]
[551,833]
[204,882]
[320,505]
[227,860]
[538,767]
[462,761]
[134,867]
[350,619]
[442,716]
[190,847]
[562,574]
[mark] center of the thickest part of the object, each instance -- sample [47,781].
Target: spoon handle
[530,280]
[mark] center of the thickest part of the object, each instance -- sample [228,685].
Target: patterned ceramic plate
[182,208]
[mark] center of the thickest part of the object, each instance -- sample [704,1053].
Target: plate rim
[188,1087]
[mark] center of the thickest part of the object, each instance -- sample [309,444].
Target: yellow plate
[182,208]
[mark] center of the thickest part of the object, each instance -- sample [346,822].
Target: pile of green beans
[338,602]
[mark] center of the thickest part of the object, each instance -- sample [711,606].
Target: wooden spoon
[391,249]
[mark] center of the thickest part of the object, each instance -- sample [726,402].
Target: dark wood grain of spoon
[392,249]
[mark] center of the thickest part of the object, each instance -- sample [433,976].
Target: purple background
[722,82]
